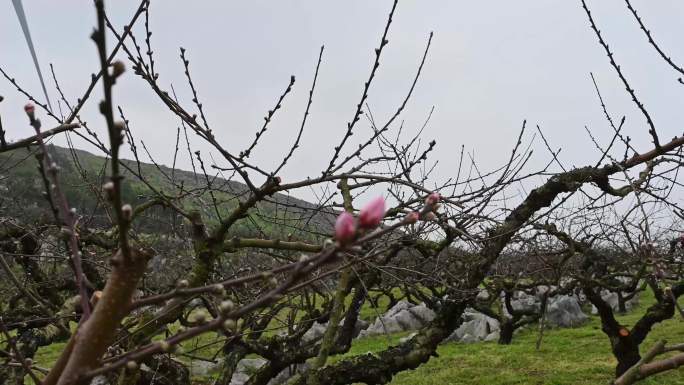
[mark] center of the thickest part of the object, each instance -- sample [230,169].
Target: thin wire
[19,8]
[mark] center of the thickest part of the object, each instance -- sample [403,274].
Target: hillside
[82,173]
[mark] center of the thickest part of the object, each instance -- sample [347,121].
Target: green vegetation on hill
[82,175]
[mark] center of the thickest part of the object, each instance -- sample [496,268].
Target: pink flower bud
[345,228]
[433,198]
[412,217]
[127,211]
[30,110]
[371,215]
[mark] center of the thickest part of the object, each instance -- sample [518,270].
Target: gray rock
[399,306]
[493,336]
[383,325]
[99,380]
[245,368]
[612,300]
[401,317]
[565,311]
[423,313]
[315,332]
[475,327]
[408,321]
[287,373]
[561,311]
[525,302]
[196,302]
[202,368]
[483,295]
[468,339]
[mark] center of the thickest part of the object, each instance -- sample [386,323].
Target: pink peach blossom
[433,198]
[30,110]
[345,228]
[412,217]
[371,215]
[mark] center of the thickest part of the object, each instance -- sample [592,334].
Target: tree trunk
[626,351]
[622,303]
[506,332]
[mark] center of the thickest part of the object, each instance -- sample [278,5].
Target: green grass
[567,356]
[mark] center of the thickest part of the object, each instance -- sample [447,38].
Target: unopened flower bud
[226,306]
[30,110]
[182,284]
[131,365]
[412,217]
[229,325]
[371,215]
[109,189]
[200,317]
[433,198]
[218,289]
[345,228]
[118,68]
[127,212]
[164,346]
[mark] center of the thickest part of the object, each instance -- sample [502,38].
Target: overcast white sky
[492,64]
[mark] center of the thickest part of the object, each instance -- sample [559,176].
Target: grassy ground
[568,356]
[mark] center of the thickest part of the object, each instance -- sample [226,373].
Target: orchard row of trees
[611,225]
